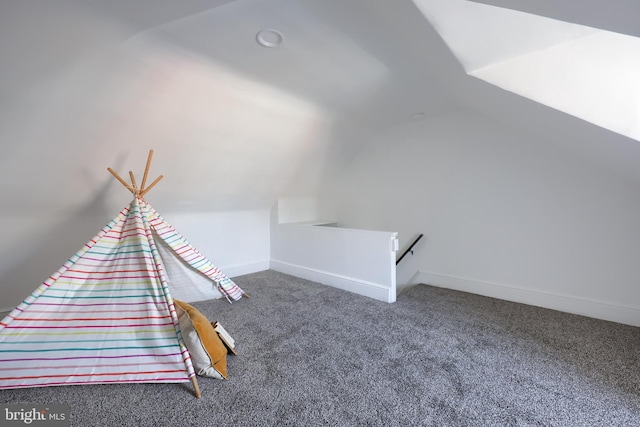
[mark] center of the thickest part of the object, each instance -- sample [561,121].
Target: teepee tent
[107,315]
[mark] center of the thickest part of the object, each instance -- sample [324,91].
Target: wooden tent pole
[133,181]
[122,181]
[196,387]
[146,190]
[138,191]
[146,170]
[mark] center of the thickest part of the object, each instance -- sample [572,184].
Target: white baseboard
[240,270]
[590,308]
[360,287]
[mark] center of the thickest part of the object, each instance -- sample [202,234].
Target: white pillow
[200,359]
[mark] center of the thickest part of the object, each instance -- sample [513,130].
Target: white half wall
[359,261]
[498,206]
[236,242]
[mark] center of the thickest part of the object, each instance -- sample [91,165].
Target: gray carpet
[313,355]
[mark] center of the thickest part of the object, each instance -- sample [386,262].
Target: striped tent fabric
[106,316]
[190,255]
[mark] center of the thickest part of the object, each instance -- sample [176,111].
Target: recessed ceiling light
[270,37]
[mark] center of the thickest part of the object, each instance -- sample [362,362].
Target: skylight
[586,72]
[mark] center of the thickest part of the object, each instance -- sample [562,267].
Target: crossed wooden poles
[133,187]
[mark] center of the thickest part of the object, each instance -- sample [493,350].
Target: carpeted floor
[312,355]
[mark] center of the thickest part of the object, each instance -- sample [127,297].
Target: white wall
[504,214]
[297,209]
[236,242]
[355,260]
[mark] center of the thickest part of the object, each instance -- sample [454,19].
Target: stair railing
[409,249]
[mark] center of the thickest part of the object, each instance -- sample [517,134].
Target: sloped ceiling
[89,84]
[551,54]
[584,71]
[620,16]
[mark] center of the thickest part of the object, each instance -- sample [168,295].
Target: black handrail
[409,249]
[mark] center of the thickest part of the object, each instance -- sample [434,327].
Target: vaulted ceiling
[91,83]
[588,72]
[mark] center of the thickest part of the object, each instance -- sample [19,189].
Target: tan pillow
[208,353]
